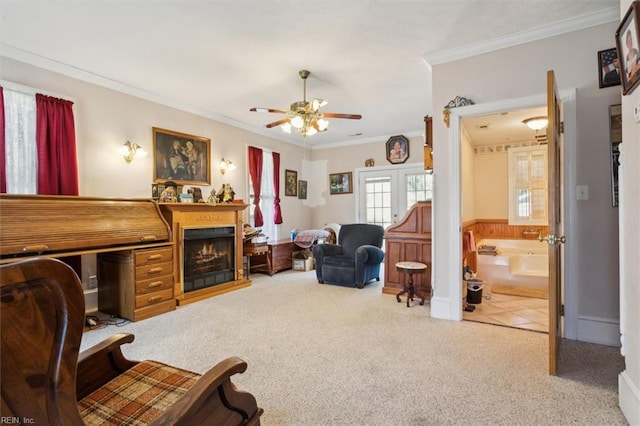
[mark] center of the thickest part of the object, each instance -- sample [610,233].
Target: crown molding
[577,23]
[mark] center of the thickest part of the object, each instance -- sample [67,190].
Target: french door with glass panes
[386,193]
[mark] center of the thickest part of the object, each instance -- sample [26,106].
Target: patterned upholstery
[137,396]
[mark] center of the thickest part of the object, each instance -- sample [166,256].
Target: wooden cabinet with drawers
[136,284]
[277,258]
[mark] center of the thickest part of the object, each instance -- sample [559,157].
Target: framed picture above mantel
[181,158]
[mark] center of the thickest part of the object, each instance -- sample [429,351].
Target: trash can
[474,291]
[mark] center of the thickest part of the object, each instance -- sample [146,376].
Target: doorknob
[552,239]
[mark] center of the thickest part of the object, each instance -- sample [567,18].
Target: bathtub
[520,268]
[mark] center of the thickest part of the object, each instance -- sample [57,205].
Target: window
[267,198]
[21,157]
[528,203]
[419,188]
[386,194]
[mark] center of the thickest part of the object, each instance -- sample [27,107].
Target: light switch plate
[636,113]
[582,192]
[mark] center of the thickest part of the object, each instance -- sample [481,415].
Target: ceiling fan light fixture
[286,127]
[536,123]
[304,116]
[322,124]
[297,122]
[316,104]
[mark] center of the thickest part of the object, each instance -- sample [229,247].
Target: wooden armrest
[101,363]
[214,400]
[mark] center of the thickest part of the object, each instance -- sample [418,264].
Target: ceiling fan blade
[279,111]
[336,115]
[277,123]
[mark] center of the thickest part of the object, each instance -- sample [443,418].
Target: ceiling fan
[305,116]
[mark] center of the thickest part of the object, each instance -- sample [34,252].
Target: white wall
[468,172]
[629,382]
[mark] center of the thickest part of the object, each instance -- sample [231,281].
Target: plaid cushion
[137,396]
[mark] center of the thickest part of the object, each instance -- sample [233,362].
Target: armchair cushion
[137,396]
[355,260]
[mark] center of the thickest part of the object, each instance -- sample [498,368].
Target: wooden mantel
[200,215]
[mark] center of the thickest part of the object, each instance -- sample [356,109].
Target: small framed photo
[291,183]
[155,191]
[397,149]
[340,183]
[609,68]
[302,189]
[628,45]
[181,158]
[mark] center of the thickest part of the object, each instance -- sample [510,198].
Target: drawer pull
[155,270]
[154,257]
[155,284]
[155,299]
[148,238]
[36,247]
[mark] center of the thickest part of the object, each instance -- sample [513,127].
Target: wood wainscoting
[495,229]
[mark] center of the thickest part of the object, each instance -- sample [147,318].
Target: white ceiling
[220,58]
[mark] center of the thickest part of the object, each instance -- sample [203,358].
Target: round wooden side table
[410,268]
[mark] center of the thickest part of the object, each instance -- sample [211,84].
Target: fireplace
[208,257]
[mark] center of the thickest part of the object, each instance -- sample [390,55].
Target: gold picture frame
[181,158]
[291,183]
[341,183]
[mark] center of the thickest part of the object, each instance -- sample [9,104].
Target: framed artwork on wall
[302,189]
[340,183]
[609,68]
[628,45]
[397,149]
[291,183]
[181,158]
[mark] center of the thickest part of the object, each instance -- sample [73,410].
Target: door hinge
[561,310]
[562,127]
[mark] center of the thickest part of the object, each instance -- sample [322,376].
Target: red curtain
[56,141]
[255,171]
[277,213]
[3,170]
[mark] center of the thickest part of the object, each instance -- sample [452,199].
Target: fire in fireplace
[208,257]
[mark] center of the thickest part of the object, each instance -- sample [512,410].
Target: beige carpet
[331,355]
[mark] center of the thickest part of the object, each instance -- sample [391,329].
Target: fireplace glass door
[208,257]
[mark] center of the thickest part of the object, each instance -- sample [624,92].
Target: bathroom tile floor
[511,311]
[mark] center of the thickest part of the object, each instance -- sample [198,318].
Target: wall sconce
[226,165]
[131,150]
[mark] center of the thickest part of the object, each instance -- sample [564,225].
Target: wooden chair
[46,381]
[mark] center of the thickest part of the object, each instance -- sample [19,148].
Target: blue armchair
[355,260]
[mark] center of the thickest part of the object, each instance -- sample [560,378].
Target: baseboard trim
[441,308]
[629,398]
[603,331]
